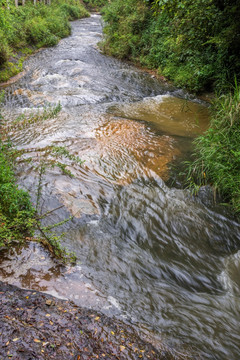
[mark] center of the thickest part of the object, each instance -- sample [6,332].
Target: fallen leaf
[122,347]
[45,343]
[7,343]
[97,318]
[48,315]
[27,297]
[16,339]
[112,332]
[50,322]
[37,340]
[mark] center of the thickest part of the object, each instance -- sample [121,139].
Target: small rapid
[153,254]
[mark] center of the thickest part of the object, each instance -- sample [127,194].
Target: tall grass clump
[217,151]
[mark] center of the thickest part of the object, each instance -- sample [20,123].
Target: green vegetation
[217,151]
[195,43]
[95,5]
[20,220]
[32,26]
[16,210]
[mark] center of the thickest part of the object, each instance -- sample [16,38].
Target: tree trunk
[16,3]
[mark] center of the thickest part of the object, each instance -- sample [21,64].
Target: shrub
[73,12]
[58,25]
[37,30]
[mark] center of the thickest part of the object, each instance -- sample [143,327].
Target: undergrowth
[95,5]
[33,26]
[217,152]
[195,43]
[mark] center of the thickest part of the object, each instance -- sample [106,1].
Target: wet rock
[170,114]
[79,207]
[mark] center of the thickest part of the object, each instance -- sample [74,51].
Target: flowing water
[147,252]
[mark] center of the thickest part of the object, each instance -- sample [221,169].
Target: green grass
[217,151]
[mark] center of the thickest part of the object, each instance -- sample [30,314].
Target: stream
[147,252]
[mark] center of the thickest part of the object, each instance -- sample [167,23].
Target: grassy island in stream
[29,27]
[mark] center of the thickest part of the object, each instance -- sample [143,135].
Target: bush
[59,26]
[37,30]
[74,12]
[95,4]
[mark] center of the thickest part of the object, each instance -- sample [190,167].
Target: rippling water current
[147,252]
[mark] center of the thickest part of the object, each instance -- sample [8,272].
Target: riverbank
[38,326]
[25,29]
[165,37]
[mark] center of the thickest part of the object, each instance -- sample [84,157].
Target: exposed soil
[34,325]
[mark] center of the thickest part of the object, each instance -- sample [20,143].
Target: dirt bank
[34,325]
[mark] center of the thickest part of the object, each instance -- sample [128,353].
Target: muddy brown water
[148,253]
